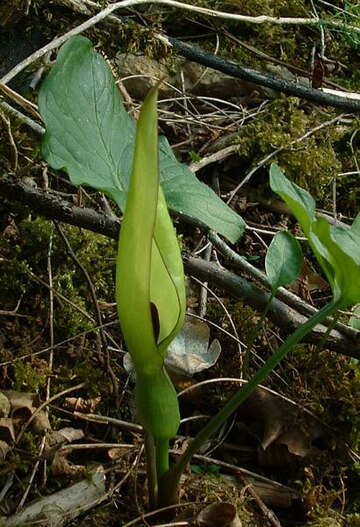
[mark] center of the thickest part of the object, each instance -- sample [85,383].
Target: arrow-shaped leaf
[90,135]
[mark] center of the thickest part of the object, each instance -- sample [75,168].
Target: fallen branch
[53,207]
[59,509]
[343,101]
[287,319]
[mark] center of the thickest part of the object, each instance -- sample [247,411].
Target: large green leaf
[299,201]
[90,135]
[343,246]
[337,249]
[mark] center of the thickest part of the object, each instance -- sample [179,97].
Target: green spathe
[150,276]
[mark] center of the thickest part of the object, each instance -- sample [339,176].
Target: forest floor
[290,455]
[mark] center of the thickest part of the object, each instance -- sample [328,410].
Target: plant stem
[152,480]
[168,485]
[162,457]
[331,326]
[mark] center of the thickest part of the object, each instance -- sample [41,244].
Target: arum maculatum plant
[150,294]
[89,134]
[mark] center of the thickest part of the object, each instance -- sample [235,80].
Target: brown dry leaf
[61,466]
[219,514]
[67,435]
[23,404]
[313,281]
[318,74]
[58,438]
[78,404]
[4,449]
[285,438]
[7,432]
[268,410]
[22,407]
[40,423]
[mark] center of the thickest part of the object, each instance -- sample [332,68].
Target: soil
[290,455]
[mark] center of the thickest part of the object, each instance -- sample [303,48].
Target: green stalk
[327,332]
[162,457]
[169,484]
[152,480]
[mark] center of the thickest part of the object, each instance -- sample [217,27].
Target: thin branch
[98,315]
[286,318]
[343,102]
[51,206]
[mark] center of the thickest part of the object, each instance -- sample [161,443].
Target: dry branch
[287,319]
[60,508]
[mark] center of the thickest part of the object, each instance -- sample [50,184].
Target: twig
[267,158]
[51,206]
[95,418]
[19,100]
[220,155]
[60,295]
[56,346]
[32,476]
[23,118]
[346,341]
[287,296]
[13,149]
[269,515]
[341,100]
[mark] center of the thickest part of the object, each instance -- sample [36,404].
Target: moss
[27,378]
[312,163]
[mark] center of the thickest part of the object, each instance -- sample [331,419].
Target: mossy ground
[322,381]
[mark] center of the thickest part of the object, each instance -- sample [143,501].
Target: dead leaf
[40,423]
[23,404]
[78,404]
[190,353]
[318,74]
[219,514]
[7,432]
[309,278]
[58,438]
[61,466]
[287,436]
[4,449]
[67,435]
